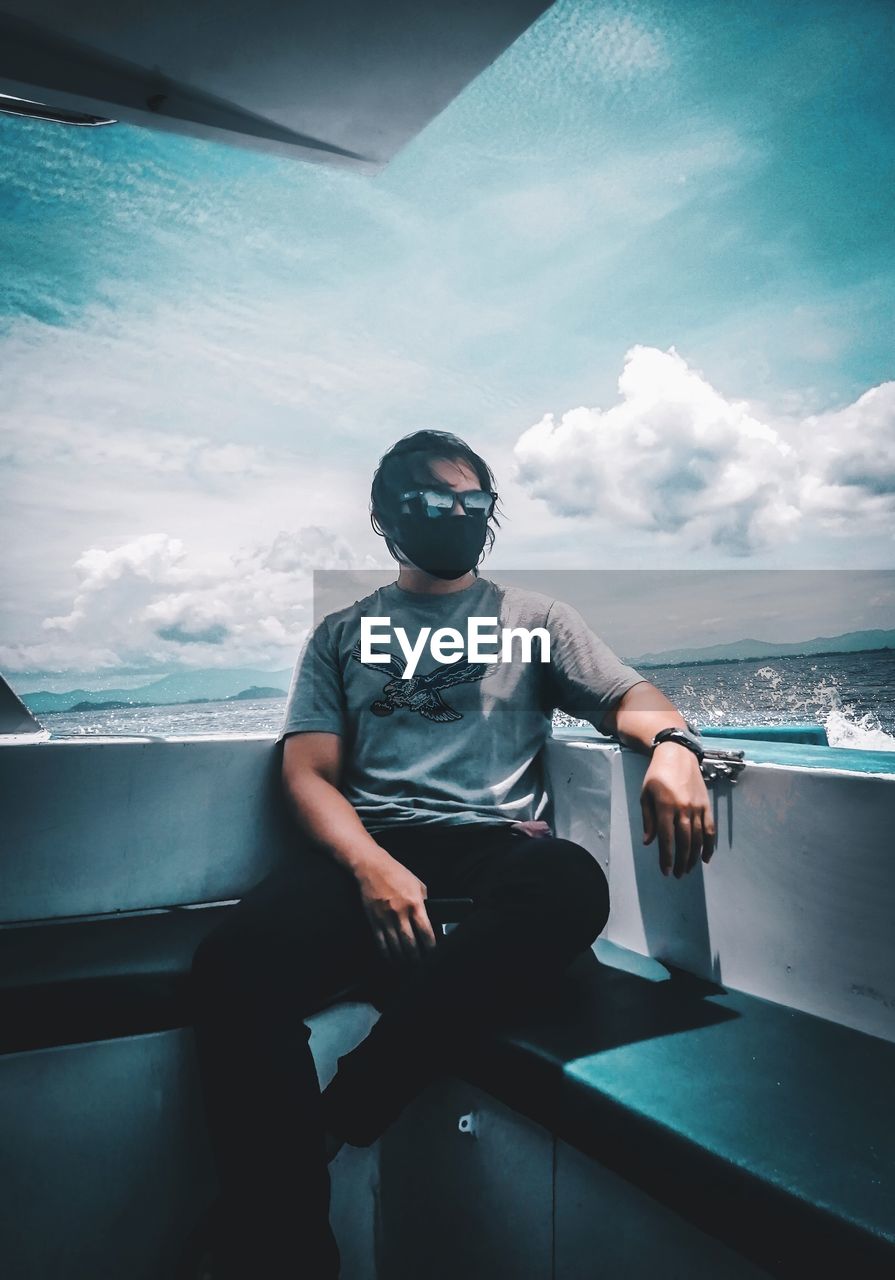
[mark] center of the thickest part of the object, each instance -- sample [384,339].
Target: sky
[643,264]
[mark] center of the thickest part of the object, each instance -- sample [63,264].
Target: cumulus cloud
[677,458]
[674,457]
[852,462]
[151,602]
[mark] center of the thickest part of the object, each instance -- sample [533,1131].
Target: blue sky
[643,264]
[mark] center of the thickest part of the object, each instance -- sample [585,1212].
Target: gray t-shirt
[460,741]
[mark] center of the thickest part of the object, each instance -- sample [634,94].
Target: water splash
[845,728]
[770,696]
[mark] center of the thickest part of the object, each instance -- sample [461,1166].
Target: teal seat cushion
[769,1128]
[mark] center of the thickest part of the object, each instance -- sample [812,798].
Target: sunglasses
[439,502]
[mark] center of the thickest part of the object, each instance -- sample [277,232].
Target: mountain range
[743,650]
[182,686]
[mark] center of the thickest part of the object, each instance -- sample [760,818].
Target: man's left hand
[676,807]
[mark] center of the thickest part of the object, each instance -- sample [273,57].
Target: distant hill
[742,650]
[184,686]
[249,695]
[99,706]
[245,695]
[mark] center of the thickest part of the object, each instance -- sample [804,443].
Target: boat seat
[769,1128]
[95,978]
[99,977]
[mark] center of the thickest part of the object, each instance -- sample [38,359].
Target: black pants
[301,939]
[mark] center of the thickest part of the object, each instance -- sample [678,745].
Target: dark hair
[408,463]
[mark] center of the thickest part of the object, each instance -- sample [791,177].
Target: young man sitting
[408,786]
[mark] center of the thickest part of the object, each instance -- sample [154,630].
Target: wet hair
[408,464]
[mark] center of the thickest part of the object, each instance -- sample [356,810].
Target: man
[408,789]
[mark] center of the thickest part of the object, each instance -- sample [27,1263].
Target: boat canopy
[346,83]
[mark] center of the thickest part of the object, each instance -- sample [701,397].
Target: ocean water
[852,695]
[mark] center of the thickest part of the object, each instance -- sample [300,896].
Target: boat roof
[346,83]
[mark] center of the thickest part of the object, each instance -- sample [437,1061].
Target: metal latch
[717,764]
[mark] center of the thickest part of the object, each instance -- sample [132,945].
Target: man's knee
[577,886]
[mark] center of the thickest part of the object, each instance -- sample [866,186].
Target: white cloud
[605,199]
[673,458]
[678,459]
[621,46]
[186,384]
[153,602]
[215,421]
[851,471]
[617,45]
[65,441]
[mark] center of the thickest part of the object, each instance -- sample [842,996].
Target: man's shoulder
[521,603]
[349,613]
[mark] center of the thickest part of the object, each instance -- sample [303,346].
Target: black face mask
[446,546]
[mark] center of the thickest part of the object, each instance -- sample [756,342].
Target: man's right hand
[394,900]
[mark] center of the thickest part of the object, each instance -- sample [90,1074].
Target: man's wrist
[663,749]
[361,859]
[679,736]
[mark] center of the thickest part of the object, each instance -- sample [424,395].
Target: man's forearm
[328,818]
[641,713]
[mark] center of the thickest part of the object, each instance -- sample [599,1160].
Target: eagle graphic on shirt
[423,693]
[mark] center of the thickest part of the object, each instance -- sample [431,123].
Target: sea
[852,695]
